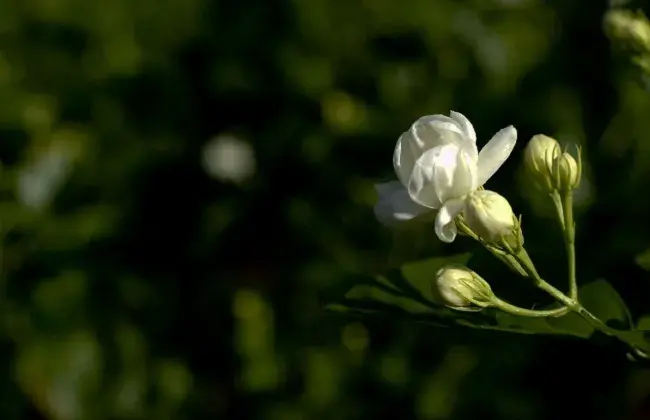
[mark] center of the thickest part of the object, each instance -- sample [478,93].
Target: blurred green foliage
[180,179]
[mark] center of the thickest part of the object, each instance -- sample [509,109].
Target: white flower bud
[538,159]
[567,175]
[460,288]
[490,216]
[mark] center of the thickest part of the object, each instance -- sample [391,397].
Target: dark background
[182,177]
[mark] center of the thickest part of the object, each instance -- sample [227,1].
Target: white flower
[438,164]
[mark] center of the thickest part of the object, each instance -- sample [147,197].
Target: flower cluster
[441,170]
[439,167]
[549,167]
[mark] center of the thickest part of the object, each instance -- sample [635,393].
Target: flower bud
[460,288]
[629,30]
[490,216]
[538,159]
[567,176]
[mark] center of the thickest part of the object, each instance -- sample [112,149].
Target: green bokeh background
[181,178]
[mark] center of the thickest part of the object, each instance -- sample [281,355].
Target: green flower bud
[567,172]
[538,160]
[489,215]
[460,288]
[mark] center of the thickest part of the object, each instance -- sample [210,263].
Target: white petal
[454,173]
[427,133]
[441,173]
[444,225]
[465,125]
[403,163]
[495,152]
[437,130]
[421,185]
[395,205]
[407,150]
[440,122]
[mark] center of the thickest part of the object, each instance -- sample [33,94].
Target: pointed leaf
[602,300]
[382,291]
[407,292]
[420,275]
[643,324]
[570,324]
[526,325]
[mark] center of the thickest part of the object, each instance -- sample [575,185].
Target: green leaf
[407,292]
[640,337]
[643,324]
[602,300]
[417,278]
[382,291]
[570,324]
[525,325]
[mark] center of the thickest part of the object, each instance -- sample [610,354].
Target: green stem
[524,260]
[569,238]
[568,302]
[531,313]
[564,207]
[576,307]
[508,260]
[522,263]
[558,295]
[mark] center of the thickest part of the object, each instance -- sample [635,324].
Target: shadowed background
[181,178]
